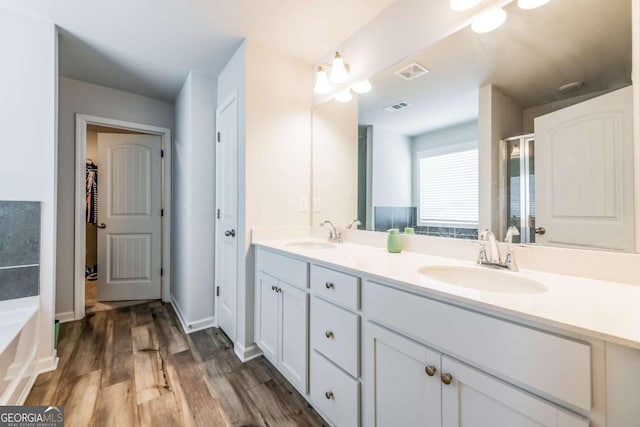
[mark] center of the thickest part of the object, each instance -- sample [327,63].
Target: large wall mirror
[528,127]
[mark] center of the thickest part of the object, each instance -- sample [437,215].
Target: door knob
[541,230]
[231,233]
[102,225]
[446,378]
[430,370]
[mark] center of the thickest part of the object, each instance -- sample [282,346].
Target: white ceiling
[148,46]
[528,58]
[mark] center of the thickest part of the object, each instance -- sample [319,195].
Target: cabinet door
[293,339]
[267,328]
[400,391]
[473,398]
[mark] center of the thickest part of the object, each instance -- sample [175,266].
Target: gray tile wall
[19,249]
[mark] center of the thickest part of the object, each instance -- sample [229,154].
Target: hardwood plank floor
[133,366]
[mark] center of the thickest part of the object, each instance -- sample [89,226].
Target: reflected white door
[227,213]
[584,174]
[129,203]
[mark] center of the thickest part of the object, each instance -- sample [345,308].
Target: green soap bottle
[394,241]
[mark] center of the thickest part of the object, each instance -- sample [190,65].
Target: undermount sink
[483,280]
[311,245]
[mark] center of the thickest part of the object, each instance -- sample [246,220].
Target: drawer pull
[430,370]
[329,285]
[328,334]
[328,395]
[446,379]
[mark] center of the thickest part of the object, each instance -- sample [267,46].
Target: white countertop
[594,308]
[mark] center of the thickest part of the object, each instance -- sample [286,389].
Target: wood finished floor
[133,366]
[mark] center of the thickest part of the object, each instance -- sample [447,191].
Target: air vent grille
[412,71]
[397,106]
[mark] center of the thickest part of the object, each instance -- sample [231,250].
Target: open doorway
[122,221]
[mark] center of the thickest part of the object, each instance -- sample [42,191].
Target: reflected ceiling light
[322,82]
[363,86]
[339,70]
[489,20]
[343,96]
[531,4]
[459,5]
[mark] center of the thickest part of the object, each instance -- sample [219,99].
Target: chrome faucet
[334,235]
[355,222]
[493,258]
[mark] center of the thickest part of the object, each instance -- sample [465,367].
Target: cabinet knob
[329,285]
[430,370]
[278,290]
[328,395]
[328,334]
[273,288]
[446,378]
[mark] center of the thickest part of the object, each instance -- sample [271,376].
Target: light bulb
[363,86]
[322,82]
[339,73]
[459,5]
[489,20]
[343,96]
[531,4]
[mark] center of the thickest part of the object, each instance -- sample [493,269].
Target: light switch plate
[303,204]
[317,204]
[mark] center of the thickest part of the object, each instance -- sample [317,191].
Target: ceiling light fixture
[459,5]
[489,20]
[339,70]
[531,4]
[343,96]
[322,82]
[363,86]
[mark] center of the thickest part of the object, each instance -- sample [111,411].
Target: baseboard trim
[38,367]
[187,327]
[246,354]
[67,316]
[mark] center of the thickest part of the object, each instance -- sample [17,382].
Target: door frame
[82,123]
[233,97]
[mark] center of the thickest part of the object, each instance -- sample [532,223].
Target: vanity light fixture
[339,70]
[362,86]
[489,20]
[460,5]
[343,96]
[531,4]
[322,82]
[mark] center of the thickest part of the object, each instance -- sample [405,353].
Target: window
[448,187]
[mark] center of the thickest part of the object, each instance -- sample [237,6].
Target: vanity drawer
[290,270]
[334,393]
[335,333]
[341,288]
[557,366]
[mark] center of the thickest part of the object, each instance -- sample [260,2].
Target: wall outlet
[303,204]
[317,204]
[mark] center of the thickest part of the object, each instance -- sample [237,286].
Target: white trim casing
[246,354]
[82,121]
[187,328]
[67,316]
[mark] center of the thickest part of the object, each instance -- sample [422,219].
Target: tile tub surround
[394,217]
[19,249]
[596,308]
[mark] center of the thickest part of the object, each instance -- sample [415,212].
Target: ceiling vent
[396,106]
[412,71]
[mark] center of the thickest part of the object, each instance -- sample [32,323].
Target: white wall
[192,282]
[392,169]
[80,97]
[335,162]
[498,118]
[28,147]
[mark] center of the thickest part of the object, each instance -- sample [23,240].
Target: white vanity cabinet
[281,315]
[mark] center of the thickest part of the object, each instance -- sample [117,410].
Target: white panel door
[227,213]
[293,338]
[267,325]
[584,174]
[475,399]
[403,382]
[129,217]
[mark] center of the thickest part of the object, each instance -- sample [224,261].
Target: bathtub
[18,341]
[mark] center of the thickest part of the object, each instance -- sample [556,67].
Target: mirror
[527,128]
